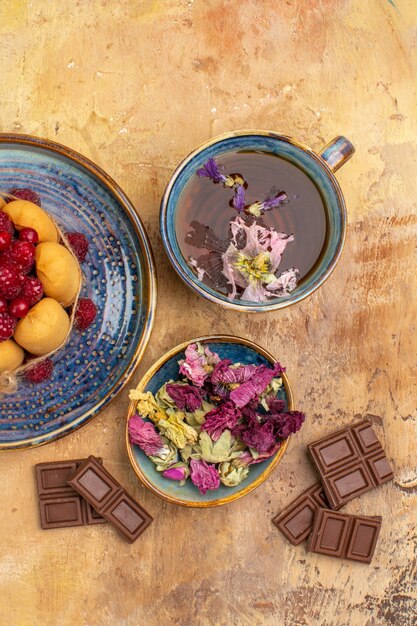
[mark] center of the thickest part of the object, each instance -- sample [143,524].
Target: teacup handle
[337,152]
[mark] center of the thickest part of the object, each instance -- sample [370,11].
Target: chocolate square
[350,462]
[105,494]
[59,504]
[352,537]
[296,521]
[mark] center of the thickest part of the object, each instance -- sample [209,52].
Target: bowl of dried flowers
[210,421]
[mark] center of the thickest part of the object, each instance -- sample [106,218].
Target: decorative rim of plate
[149,270]
[197,285]
[149,375]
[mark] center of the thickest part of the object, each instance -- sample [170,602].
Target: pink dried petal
[204,476]
[175,473]
[220,418]
[144,435]
[255,385]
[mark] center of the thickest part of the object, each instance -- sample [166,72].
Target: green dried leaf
[216,451]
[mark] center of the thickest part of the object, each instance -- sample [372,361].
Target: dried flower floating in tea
[246,264]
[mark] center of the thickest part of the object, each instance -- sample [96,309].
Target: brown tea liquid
[304,216]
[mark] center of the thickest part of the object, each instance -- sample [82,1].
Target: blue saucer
[119,276]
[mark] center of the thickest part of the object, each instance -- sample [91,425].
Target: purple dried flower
[274,404]
[176,473]
[144,435]
[224,374]
[256,384]
[186,397]
[218,419]
[238,200]
[244,458]
[285,424]
[258,436]
[204,476]
[258,208]
[212,171]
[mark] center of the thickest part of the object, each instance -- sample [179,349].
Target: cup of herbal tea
[256,221]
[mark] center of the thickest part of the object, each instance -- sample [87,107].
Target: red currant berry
[5,240]
[22,253]
[11,281]
[40,372]
[29,234]
[7,326]
[32,290]
[19,307]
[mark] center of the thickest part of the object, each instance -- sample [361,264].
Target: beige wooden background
[135,85]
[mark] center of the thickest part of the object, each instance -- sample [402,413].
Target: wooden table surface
[135,85]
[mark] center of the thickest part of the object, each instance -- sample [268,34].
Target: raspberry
[5,223]
[3,305]
[79,245]
[22,253]
[7,326]
[25,194]
[32,290]
[85,314]
[40,372]
[11,281]
[5,240]
[29,234]
[19,307]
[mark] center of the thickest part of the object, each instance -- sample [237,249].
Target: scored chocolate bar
[59,505]
[345,536]
[350,462]
[107,497]
[296,521]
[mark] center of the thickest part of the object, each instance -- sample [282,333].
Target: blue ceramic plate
[238,350]
[119,276]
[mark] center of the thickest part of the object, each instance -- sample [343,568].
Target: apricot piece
[25,214]
[11,355]
[58,271]
[44,328]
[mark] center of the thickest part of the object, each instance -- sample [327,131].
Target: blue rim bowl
[166,368]
[320,171]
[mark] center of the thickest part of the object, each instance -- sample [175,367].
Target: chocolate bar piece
[296,521]
[345,536]
[109,499]
[60,506]
[350,462]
